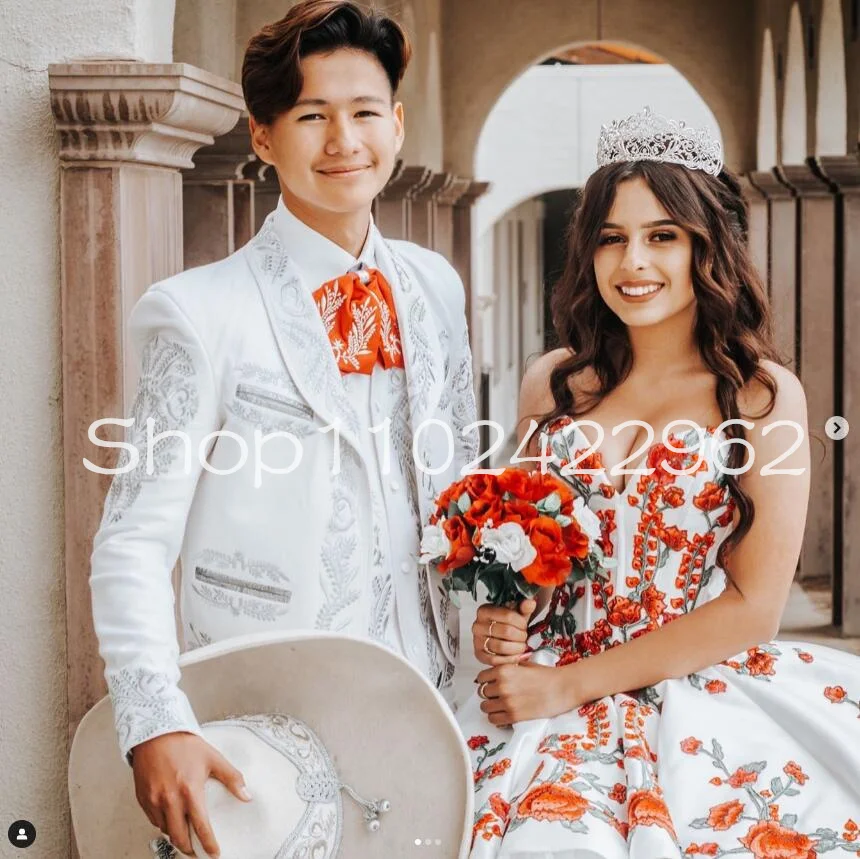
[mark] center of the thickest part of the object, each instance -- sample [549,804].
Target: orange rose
[653,602]
[480,484]
[552,565]
[710,498]
[576,541]
[517,510]
[835,693]
[768,840]
[449,496]
[715,686]
[618,793]
[462,550]
[485,507]
[646,808]
[552,802]
[759,662]
[659,457]
[622,611]
[515,481]
[725,816]
[475,743]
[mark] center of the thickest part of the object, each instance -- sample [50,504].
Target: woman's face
[644,260]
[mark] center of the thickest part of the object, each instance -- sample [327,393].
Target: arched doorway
[536,148]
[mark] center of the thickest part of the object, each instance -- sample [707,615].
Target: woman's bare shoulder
[535,393]
[788,397]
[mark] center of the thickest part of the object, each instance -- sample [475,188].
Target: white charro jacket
[239,347]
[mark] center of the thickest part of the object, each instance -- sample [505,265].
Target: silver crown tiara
[647,136]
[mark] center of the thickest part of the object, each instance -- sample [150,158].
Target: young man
[325,375]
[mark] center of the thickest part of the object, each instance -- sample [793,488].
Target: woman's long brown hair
[733,326]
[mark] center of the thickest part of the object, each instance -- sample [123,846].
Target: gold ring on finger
[487,647]
[490,631]
[481,694]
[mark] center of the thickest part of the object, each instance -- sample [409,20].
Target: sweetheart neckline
[707,433]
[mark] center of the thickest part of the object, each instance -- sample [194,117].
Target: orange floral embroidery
[725,816]
[551,802]
[767,839]
[715,687]
[710,498]
[691,745]
[742,776]
[835,693]
[646,808]
[792,769]
[759,662]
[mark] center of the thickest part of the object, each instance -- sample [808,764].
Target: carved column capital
[472,193]
[769,184]
[453,191]
[801,179]
[842,170]
[405,182]
[140,113]
[430,190]
[226,159]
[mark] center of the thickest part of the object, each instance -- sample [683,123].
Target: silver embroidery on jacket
[167,393]
[145,704]
[339,573]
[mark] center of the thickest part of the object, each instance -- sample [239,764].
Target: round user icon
[22,833]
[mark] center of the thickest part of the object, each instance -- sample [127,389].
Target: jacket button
[406,567]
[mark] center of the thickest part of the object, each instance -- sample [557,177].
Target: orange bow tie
[361,321]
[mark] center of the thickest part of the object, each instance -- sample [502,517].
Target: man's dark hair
[271,71]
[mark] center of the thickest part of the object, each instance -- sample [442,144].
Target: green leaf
[756,766]
[700,823]
[550,504]
[791,792]
[563,521]
[776,786]
[464,502]
[788,820]
[717,750]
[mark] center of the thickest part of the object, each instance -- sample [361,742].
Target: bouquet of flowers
[514,532]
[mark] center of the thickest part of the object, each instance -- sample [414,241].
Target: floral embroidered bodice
[662,531]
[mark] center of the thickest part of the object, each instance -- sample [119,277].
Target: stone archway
[722,68]
[831,115]
[793,149]
[767,137]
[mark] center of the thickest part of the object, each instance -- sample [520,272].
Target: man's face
[335,149]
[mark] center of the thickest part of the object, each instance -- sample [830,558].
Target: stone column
[267,190]
[758,227]
[462,243]
[782,265]
[125,132]
[217,199]
[448,197]
[425,207]
[393,206]
[816,213]
[844,173]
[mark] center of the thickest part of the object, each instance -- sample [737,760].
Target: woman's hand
[499,634]
[521,691]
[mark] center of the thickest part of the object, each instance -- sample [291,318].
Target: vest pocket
[272,400]
[253,589]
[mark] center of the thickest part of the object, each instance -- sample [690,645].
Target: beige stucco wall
[487,43]
[33,711]
[204,35]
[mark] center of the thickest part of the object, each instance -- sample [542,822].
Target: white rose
[434,544]
[510,544]
[587,519]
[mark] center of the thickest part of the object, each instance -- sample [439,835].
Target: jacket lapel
[300,334]
[422,353]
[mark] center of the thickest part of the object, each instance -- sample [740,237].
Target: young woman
[648,718]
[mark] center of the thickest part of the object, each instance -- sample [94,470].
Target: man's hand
[169,774]
[502,632]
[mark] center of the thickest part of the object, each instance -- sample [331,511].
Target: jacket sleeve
[143,523]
